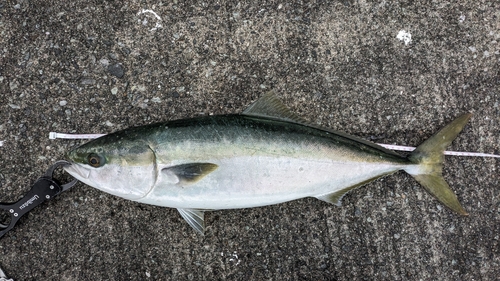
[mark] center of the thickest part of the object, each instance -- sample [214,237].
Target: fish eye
[95,160]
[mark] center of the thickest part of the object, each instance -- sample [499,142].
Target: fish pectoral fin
[270,106]
[195,218]
[189,173]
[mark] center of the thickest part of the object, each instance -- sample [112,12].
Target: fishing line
[454,153]
[54,135]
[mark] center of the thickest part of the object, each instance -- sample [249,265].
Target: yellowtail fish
[266,155]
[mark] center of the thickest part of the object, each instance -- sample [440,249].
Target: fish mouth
[78,171]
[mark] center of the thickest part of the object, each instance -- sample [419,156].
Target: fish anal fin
[271,107]
[336,196]
[189,173]
[195,218]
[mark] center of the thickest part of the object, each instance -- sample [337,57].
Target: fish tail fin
[429,157]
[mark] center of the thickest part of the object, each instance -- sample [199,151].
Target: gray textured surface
[337,64]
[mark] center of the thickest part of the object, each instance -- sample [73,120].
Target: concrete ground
[100,66]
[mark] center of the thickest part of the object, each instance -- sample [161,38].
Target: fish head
[116,165]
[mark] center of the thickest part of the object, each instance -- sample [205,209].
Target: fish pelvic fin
[195,218]
[429,157]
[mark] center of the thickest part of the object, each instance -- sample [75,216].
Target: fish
[266,155]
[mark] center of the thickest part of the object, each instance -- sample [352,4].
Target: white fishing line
[454,153]
[54,135]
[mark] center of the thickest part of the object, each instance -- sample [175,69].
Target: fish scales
[260,162]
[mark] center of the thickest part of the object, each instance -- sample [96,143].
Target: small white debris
[473,49]
[63,103]
[156,100]
[145,21]
[109,124]
[1,143]
[14,106]
[148,274]
[114,91]
[461,18]
[397,236]
[404,36]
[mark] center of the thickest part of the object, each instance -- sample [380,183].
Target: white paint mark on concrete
[145,21]
[404,36]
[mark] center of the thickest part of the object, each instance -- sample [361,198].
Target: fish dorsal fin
[271,107]
[188,173]
[195,218]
